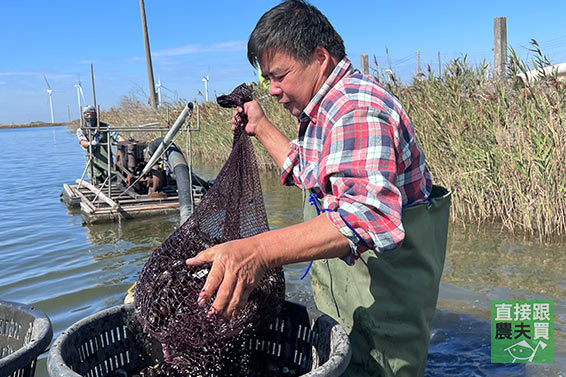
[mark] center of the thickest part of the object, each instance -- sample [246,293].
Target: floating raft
[97,207]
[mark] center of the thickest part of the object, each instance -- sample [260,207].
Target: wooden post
[152,94]
[364,64]
[418,62]
[499,47]
[439,69]
[93,90]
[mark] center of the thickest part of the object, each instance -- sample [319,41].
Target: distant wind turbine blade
[82,94]
[47,82]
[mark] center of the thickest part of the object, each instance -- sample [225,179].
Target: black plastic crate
[25,333]
[105,344]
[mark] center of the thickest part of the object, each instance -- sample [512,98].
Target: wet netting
[167,289]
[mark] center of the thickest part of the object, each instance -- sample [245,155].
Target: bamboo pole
[84,171]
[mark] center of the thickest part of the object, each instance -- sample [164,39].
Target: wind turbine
[79,94]
[205,79]
[50,92]
[159,86]
[159,90]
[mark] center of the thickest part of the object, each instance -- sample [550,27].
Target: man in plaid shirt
[356,149]
[356,158]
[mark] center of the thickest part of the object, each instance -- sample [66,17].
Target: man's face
[292,82]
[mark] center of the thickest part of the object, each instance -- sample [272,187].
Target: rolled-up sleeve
[291,163]
[358,171]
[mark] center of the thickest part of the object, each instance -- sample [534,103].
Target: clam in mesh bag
[167,289]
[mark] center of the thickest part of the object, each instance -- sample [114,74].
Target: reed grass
[499,145]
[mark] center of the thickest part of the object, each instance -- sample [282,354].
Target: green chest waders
[386,301]
[100,158]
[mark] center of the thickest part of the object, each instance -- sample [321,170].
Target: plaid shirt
[356,148]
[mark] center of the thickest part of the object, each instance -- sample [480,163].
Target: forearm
[276,144]
[314,239]
[239,265]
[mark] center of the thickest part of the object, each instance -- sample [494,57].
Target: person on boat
[376,228]
[94,137]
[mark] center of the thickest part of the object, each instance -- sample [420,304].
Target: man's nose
[274,89]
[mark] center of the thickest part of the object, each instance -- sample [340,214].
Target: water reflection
[144,231]
[460,346]
[488,259]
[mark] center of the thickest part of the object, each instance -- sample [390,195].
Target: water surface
[70,270]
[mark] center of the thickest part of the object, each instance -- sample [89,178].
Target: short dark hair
[296,28]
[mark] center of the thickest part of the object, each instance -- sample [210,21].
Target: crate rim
[26,354]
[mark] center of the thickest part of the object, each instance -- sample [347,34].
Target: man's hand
[94,142]
[256,117]
[237,268]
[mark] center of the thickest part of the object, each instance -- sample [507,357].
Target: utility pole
[499,47]
[152,94]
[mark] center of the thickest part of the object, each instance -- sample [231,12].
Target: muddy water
[69,270]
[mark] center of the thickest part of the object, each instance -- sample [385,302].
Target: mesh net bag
[167,289]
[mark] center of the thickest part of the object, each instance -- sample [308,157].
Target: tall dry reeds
[500,146]
[214,142]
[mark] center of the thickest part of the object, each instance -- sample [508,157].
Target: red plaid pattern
[356,148]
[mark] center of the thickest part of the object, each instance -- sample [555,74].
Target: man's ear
[324,59]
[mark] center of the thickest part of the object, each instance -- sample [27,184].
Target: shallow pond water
[70,270]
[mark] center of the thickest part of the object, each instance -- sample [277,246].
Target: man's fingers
[224,294]
[205,256]
[214,279]
[239,300]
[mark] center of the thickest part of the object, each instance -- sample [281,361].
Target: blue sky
[190,39]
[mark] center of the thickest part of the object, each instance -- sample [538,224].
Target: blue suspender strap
[313,200]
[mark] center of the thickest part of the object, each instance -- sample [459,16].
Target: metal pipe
[190,163]
[109,146]
[132,129]
[169,137]
[165,144]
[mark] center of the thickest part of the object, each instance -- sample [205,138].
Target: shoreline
[31,125]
